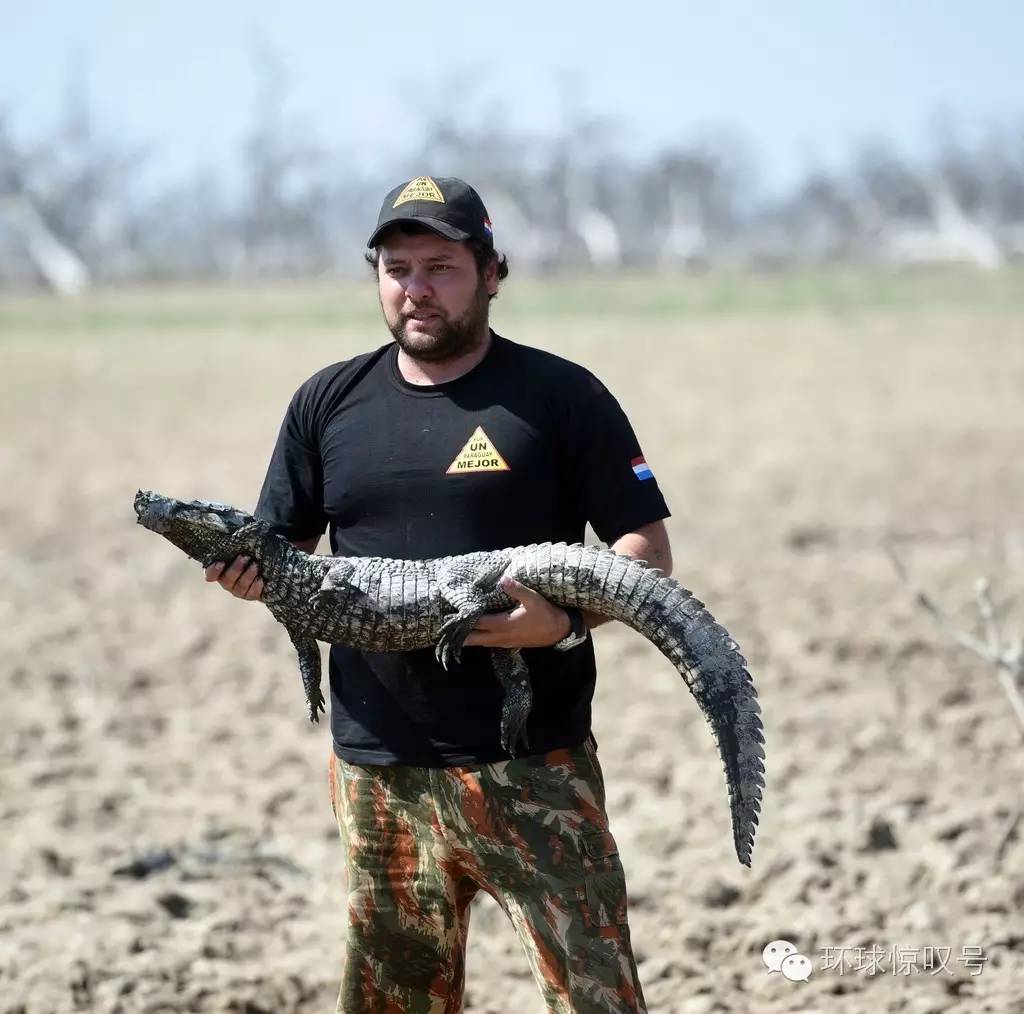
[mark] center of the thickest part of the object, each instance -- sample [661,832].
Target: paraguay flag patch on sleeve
[641,469]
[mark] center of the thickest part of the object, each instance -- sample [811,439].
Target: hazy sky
[801,80]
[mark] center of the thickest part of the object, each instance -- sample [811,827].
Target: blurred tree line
[73,212]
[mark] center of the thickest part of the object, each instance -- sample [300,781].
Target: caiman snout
[152,510]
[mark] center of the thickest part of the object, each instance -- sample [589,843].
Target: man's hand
[242,578]
[533,623]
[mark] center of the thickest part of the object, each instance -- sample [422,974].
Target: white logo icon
[782,956]
[797,968]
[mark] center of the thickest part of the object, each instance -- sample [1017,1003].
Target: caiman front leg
[335,586]
[471,594]
[513,675]
[309,665]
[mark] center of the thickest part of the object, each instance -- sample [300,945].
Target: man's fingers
[520,593]
[497,621]
[241,577]
[484,639]
[493,630]
[233,572]
[246,580]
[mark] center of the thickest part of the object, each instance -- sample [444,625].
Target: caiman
[376,604]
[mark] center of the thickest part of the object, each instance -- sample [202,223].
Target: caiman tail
[709,661]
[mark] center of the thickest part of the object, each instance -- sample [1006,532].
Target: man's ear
[491,276]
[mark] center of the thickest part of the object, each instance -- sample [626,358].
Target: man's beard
[454,338]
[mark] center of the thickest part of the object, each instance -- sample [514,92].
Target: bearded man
[452,439]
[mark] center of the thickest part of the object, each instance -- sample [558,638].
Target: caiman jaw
[151,511]
[195,528]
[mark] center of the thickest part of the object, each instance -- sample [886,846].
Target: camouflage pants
[532,832]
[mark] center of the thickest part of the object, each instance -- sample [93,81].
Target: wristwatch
[578,630]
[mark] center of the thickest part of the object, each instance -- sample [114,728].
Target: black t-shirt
[526,447]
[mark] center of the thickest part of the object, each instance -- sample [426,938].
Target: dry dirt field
[168,844]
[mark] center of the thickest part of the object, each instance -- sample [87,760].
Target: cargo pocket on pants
[601,898]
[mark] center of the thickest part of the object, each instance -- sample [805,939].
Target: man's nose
[417,287]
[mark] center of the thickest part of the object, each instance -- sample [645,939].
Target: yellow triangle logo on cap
[423,188]
[478,455]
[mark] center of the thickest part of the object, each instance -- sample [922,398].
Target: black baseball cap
[448,206]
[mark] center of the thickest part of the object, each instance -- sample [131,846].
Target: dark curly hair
[483,254]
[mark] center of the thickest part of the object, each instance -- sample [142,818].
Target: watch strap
[578,630]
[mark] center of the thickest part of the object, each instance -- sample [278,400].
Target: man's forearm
[649,543]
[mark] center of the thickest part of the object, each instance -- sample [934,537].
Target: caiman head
[207,532]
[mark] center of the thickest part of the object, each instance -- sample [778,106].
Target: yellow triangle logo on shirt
[479,455]
[423,188]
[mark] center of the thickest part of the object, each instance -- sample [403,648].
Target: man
[450,440]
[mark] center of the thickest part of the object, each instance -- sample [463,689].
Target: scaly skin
[376,604]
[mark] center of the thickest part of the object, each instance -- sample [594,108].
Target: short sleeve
[617,487]
[292,495]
